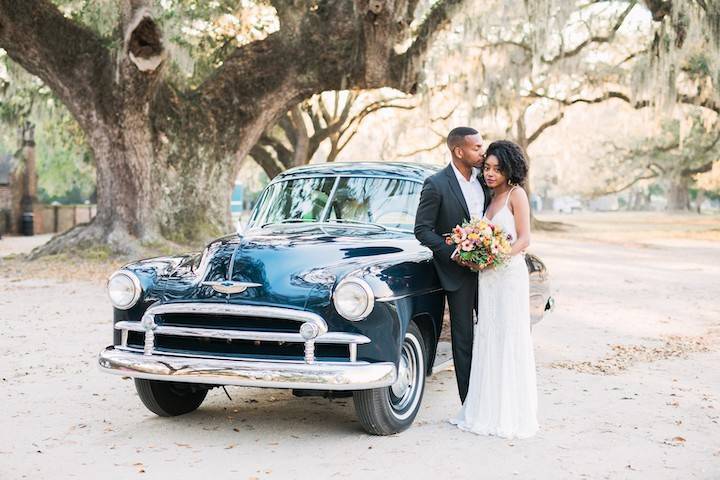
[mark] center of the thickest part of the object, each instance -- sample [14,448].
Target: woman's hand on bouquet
[471,265]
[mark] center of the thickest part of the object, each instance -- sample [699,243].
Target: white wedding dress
[502,395]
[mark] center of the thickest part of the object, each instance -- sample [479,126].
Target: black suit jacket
[442,206]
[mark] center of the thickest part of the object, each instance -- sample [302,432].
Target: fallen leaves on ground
[675,441]
[625,356]
[63,268]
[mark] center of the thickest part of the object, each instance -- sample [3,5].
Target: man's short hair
[456,137]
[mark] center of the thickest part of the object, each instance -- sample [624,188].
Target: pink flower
[467,245]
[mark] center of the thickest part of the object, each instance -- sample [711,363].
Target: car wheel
[169,399]
[388,410]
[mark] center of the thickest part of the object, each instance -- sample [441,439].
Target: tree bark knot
[144,43]
[376,6]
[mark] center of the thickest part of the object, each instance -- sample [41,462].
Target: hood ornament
[228,286]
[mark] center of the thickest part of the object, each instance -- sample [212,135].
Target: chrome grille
[182,328]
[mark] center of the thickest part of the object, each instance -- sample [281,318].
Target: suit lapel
[457,191]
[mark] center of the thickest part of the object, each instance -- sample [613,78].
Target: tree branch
[68,57]
[646,176]
[593,38]
[266,161]
[700,101]
[705,167]
[602,98]
[330,45]
[544,126]
[407,65]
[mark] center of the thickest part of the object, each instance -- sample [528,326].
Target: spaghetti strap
[508,196]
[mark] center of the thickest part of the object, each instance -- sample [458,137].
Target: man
[449,197]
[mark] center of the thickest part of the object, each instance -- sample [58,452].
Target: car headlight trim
[353,298]
[124,289]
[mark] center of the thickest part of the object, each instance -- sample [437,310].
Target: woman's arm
[521,211]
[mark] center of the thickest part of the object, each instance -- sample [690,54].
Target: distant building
[10,193]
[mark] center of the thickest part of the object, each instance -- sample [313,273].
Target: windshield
[301,200]
[386,202]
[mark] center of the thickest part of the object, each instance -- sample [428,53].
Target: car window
[301,199]
[385,201]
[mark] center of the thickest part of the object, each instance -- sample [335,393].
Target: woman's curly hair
[511,160]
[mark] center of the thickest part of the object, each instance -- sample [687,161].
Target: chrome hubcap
[403,381]
[404,390]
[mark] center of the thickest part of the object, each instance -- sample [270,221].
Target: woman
[502,396]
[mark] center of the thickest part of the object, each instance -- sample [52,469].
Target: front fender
[152,274]
[405,290]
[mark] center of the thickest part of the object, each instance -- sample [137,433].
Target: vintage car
[325,291]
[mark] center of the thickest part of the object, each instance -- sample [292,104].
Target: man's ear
[458,152]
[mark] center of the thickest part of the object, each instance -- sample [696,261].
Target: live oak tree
[674,156]
[531,83]
[165,150]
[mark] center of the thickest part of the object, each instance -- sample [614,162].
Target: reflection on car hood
[288,262]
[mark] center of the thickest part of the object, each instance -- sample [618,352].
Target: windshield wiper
[357,222]
[287,220]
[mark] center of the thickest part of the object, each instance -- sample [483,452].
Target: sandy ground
[12,245]
[627,375]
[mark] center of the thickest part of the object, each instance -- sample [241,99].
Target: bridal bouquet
[479,244]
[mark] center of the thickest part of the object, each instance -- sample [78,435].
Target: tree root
[89,237]
[93,240]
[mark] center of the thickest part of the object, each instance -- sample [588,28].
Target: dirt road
[627,375]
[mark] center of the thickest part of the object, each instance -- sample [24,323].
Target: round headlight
[123,289]
[354,299]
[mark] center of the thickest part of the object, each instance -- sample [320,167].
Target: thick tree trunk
[127,193]
[699,199]
[144,197]
[195,202]
[678,196]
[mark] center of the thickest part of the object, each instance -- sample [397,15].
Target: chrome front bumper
[248,373]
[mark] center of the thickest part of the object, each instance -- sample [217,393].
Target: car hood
[294,266]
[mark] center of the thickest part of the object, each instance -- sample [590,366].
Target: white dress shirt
[472,191]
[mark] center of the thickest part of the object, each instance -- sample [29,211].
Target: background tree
[673,157]
[683,65]
[527,82]
[515,73]
[331,117]
[64,163]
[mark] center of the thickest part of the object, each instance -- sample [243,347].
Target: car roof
[405,170]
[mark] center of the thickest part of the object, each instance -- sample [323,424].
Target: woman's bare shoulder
[518,195]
